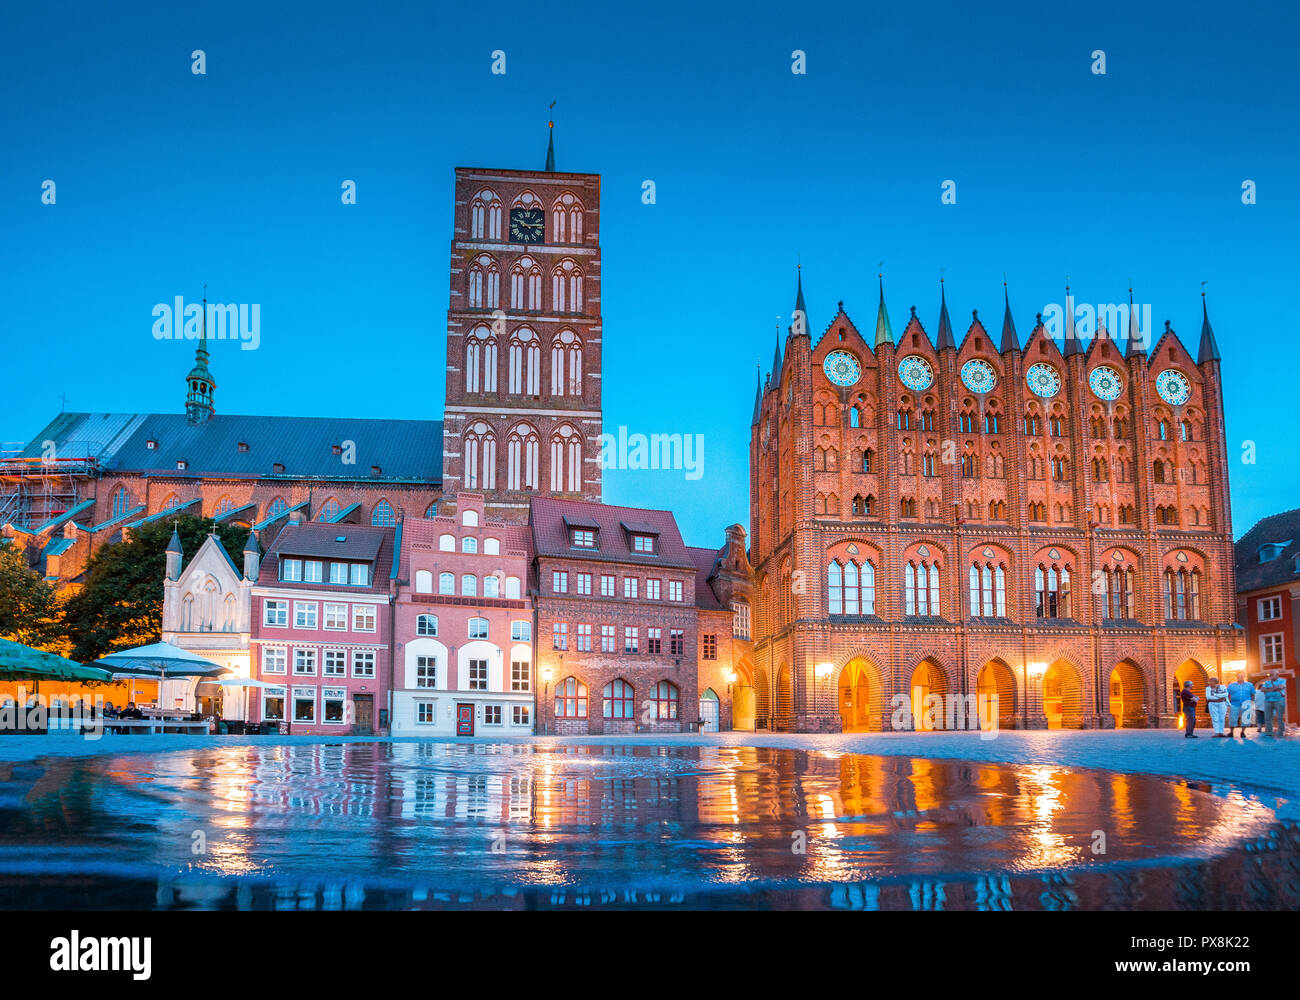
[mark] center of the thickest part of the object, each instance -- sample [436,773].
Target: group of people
[130,712]
[1238,705]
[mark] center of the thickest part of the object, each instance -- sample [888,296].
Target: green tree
[120,605]
[29,605]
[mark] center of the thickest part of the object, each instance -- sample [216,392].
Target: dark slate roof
[551,537]
[364,543]
[404,450]
[945,327]
[1252,574]
[706,561]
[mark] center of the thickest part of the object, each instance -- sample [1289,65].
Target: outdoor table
[159,725]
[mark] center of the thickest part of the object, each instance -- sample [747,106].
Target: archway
[1128,696]
[744,707]
[784,699]
[1063,696]
[1194,672]
[927,679]
[762,699]
[709,713]
[996,680]
[858,696]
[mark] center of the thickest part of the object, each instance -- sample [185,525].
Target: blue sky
[167,180]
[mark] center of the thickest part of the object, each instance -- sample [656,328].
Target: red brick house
[1268,597]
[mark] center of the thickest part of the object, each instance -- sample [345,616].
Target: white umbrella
[156,662]
[244,682]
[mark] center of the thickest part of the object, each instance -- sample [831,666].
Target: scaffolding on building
[36,490]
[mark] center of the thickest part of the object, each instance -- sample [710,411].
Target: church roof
[248,446]
[1281,533]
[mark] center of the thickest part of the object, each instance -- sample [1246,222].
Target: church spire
[1010,340]
[945,327]
[1071,345]
[799,322]
[550,145]
[776,363]
[199,382]
[758,398]
[1133,346]
[884,333]
[1209,349]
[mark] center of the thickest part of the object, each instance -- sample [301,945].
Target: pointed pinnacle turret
[945,327]
[776,364]
[884,333]
[1010,340]
[799,322]
[175,544]
[758,399]
[1071,345]
[199,382]
[550,145]
[1209,349]
[1133,345]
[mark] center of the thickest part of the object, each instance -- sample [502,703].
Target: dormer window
[336,449]
[277,468]
[643,543]
[242,446]
[1271,550]
[583,538]
[182,465]
[151,444]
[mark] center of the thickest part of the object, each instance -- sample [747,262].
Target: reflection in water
[543,825]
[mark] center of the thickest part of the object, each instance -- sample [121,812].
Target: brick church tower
[1047,524]
[523,411]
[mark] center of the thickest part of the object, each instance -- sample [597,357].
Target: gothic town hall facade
[1046,524]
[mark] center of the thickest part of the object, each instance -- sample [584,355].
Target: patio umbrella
[19,662]
[157,662]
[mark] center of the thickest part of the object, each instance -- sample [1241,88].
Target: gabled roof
[361,543]
[404,450]
[706,562]
[1284,529]
[614,528]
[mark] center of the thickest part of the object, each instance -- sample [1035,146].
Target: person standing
[1216,700]
[1241,705]
[1187,699]
[1274,689]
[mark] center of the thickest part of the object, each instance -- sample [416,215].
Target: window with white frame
[304,614]
[426,625]
[338,573]
[363,618]
[332,706]
[520,676]
[468,585]
[519,715]
[273,704]
[478,628]
[274,659]
[446,583]
[313,571]
[521,631]
[360,574]
[426,671]
[1270,649]
[674,590]
[512,588]
[426,712]
[631,639]
[630,586]
[740,619]
[291,570]
[492,586]
[275,614]
[304,662]
[335,663]
[336,617]
[559,582]
[491,715]
[559,635]
[363,663]
[584,584]
[606,586]
[608,640]
[478,675]
[652,590]
[584,639]
[1270,608]
[469,544]
[423,581]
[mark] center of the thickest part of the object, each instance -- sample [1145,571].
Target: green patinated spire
[884,333]
[199,383]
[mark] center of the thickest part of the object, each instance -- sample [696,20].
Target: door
[709,712]
[363,714]
[464,720]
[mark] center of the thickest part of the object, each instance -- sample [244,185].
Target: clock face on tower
[915,372]
[1043,380]
[978,376]
[1105,382]
[527,225]
[842,368]
[1173,387]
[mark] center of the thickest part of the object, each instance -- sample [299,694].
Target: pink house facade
[463,627]
[322,616]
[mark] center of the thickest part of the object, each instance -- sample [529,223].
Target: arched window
[566,219]
[484,283]
[526,284]
[446,543]
[522,449]
[566,460]
[485,216]
[468,585]
[447,583]
[480,360]
[664,696]
[423,581]
[566,364]
[187,613]
[478,628]
[1162,430]
[525,376]
[904,419]
[570,699]
[1052,591]
[426,625]
[991,424]
[868,458]
[512,588]
[330,509]
[480,457]
[566,287]
[988,590]
[224,506]
[121,501]
[921,588]
[967,422]
[276,507]
[431,510]
[382,516]
[620,701]
[927,420]
[1158,470]
[469,544]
